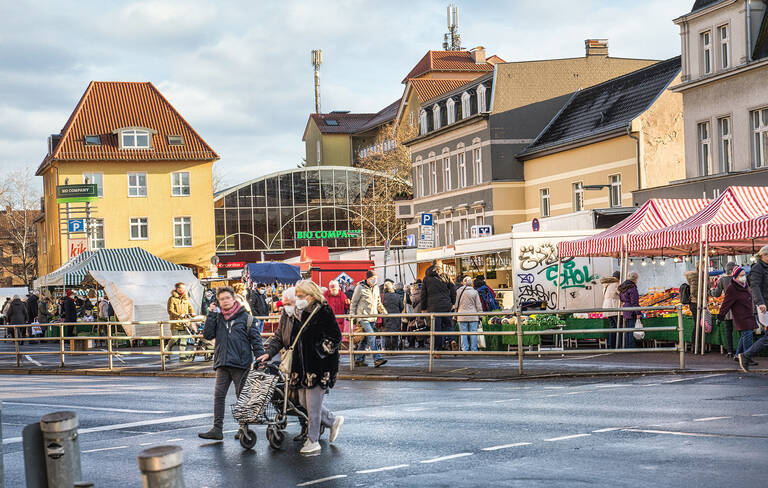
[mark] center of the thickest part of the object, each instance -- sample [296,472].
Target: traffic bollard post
[62,448]
[161,467]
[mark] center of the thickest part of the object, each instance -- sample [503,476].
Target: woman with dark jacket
[438,295]
[629,297]
[315,362]
[17,315]
[394,302]
[738,304]
[717,291]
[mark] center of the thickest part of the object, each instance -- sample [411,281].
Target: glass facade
[337,207]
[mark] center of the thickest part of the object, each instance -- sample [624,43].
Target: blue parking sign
[76,225]
[427,219]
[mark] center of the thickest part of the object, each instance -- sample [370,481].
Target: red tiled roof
[347,123]
[427,89]
[447,61]
[383,116]
[106,106]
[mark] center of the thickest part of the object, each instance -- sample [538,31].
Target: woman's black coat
[316,357]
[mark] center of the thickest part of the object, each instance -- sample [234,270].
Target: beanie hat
[737,270]
[369,274]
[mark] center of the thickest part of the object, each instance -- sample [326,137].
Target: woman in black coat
[738,300]
[394,303]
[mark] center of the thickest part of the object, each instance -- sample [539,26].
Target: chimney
[478,55]
[596,47]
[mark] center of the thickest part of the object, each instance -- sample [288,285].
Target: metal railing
[431,335]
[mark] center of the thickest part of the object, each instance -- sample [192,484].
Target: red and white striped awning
[746,235]
[656,213]
[729,214]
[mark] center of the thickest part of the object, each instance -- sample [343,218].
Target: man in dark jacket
[629,297]
[438,295]
[238,342]
[32,302]
[758,284]
[258,300]
[68,313]
[718,290]
[17,315]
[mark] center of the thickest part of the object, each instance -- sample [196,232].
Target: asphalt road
[692,430]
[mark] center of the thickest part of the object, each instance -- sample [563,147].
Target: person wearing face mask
[179,308]
[315,362]
[339,303]
[367,300]
[738,304]
[438,294]
[258,300]
[717,291]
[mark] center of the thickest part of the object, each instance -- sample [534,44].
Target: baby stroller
[265,400]
[202,347]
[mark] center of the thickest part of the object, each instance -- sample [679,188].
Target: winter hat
[70,293]
[737,270]
[617,274]
[369,274]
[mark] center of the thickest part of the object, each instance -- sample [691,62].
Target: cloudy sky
[240,72]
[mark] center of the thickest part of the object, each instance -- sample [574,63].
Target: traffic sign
[535,225]
[427,236]
[410,240]
[76,225]
[427,219]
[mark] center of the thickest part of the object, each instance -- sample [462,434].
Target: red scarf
[228,314]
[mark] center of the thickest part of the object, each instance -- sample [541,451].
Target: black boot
[213,434]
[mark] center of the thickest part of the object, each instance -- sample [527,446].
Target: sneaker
[361,364]
[213,434]
[310,448]
[379,362]
[744,363]
[336,427]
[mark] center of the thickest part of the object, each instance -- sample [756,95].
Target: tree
[218,178]
[20,201]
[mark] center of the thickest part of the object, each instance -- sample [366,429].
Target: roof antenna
[317,60]
[453,30]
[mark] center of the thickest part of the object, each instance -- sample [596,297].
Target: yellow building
[153,172]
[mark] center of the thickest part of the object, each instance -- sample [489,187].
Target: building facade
[152,170]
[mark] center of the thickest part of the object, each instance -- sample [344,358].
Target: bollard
[161,467]
[62,448]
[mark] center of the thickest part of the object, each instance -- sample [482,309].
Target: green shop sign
[329,234]
[76,193]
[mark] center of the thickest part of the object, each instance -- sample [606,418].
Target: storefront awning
[483,245]
[445,252]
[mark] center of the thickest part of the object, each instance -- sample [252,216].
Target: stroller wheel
[247,438]
[275,437]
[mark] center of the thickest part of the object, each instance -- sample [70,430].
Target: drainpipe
[749,30]
[637,153]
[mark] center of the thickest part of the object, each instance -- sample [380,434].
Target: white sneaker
[310,448]
[336,428]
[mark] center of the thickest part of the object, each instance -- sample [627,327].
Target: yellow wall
[336,149]
[159,207]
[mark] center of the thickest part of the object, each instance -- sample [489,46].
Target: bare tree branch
[19,207]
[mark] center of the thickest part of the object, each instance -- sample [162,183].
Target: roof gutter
[637,153]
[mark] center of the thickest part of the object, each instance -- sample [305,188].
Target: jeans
[312,400]
[468,327]
[728,326]
[181,342]
[757,346]
[745,341]
[225,376]
[629,337]
[613,338]
[443,342]
[694,308]
[368,342]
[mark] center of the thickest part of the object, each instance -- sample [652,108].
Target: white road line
[146,443]
[175,440]
[233,431]
[551,396]
[80,407]
[416,409]
[576,392]
[707,419]
[386,468]
[554,387]
[446,458]
[711,375]
[566,437]
[470,389]
[678,380]
[611,386]
[670,432]
[609,429]
[760,414]
[505,446]
[651,384]
[321,480]
[507,400]
[28,358]
[106,449]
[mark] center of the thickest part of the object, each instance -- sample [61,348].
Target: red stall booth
[316,263]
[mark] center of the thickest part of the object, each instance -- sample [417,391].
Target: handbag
[480,337]
[286,355]
[639,334]
[706,321]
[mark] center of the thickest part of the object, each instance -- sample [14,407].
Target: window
[466,109]
[423,122]
[331,122]
[175,140]
[477,165]
[93,140]
[450,107]
[705,158]
[95,179]
[759,137]
[137,184]
[578,196]
[182,232]
[433,176]
[481,98]
[421,181]
[410,119]
[180,184]
[436,116]
[319,150]
[706,53]
[615,195]
[478,220]
[139,229]
[724,51]
[726,154]
[544,205]
[449,232]
[447,173]
[96,237]
[135,139]
[464,229]
[462,165]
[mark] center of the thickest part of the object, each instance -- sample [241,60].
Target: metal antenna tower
[317,60]
[452,40]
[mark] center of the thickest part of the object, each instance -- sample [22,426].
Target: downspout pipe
[749,30]
[637,154]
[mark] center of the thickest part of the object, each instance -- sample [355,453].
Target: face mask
[741,279]
[301,303]
[262,291]
[371,281]
[289,309]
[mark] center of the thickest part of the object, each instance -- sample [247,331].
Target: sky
[240,72]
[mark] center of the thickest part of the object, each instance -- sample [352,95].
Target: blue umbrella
[272,272]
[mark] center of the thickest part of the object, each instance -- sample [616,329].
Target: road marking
[233,431]
[416,409]
[321,480]
[566,437]
[507,400]
[611,386]
[175,440]
[554,387]
[711,375]
[146,443]
[505,446]
[551,396]
[707,419]
[446,458]
[651,384]
[386,468]
[470,389]
[670,432]
[106,449]
[576,392]
[609,429]
[28,358]
[80,407]
[760,414]
[678,380]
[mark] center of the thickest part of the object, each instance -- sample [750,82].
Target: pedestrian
[180,308]
[692,278]
[68,312]
[438,296]
[258,300]
[17,315]
[417,324]
[758,283]
[238,342]
[315,363]
[32,302]
[487,295]
[209,297]
[339,303]
[629,297]
[738,305]
[468,301]
[394,303]
[718,290]
[366,300]
[611,300]
[4,310]
[240,296]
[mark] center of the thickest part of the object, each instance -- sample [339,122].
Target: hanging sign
[76,193]
[77,247]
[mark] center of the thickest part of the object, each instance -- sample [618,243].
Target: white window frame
[436,116]
[465,228]
[423,124]
[545,204]
[450,107]
[481,104]
[421,185]
[758,122]
[704,147]
[96,238]
[614,195]
[461,159]
[446,171]
[477,164]
[186,240]
[433,176]
[705,41]
[138,187]
[97,179]
[479,220]
[177,188]
[723,37]
[578,196]
[138,223]
[449,232]
[319,150]
[135,134]
[725,143]
[466,107]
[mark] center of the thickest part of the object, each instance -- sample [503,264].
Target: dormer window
[423,122]
[450,107]
[436,115]
[92,140]
[175,140]
[481,98]
[135,137]
[465,105]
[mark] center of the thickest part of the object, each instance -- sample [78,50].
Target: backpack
[486,297]
[685,294]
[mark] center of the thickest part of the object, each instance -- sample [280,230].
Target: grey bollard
[161,467]
[62,448]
